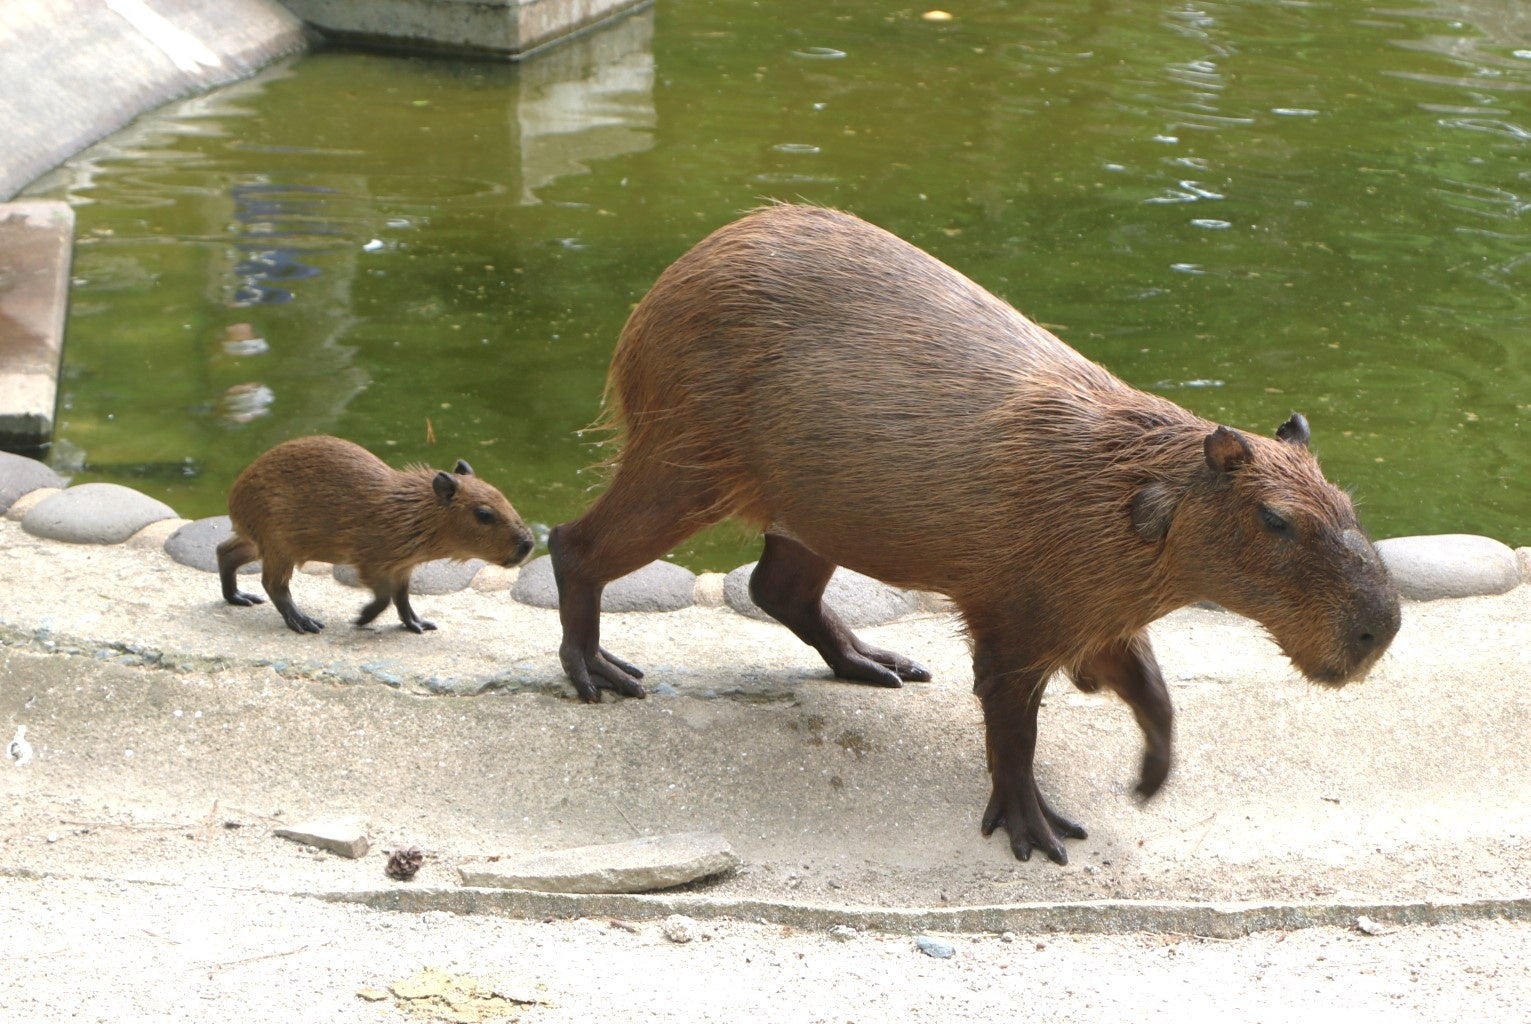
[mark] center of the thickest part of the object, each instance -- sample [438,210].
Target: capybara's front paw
[591,674]
[1020,809]
[244,599]
[300,623]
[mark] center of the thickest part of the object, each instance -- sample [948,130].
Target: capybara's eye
[1273,520]
[484,514]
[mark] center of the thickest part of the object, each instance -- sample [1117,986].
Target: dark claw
[242,599]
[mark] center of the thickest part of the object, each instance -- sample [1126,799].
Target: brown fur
[328,499]
[870,407]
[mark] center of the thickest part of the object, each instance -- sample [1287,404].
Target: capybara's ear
[1226,450]
[462,468]
[1294,430]
[1153,508]
[445,486]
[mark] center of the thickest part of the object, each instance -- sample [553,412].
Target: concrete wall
[74,71]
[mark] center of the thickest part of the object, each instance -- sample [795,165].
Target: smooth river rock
[859,600]
[20,475]
[641,865]
[1449,565]
[441,576]
[657,587]
[196,544]
[95,514]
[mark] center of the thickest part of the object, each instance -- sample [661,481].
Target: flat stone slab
[36,242]
[642,865]
[1449,565]
[657,587]
[196,544]
[442,576]
[859,600]
[20,475]
[95,514]
[343,838]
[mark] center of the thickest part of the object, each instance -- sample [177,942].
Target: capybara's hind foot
[244,599]
[300,623]
[591,674]
[1031,823]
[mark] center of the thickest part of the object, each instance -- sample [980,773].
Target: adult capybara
[868,406]
[328,499]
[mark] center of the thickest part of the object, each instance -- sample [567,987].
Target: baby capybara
[868,406]
[328,499]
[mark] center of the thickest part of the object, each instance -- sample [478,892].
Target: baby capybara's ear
[445,486]
[1294,430]
[1226,450]
[462,468]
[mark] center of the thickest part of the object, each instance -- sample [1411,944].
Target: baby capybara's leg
[275,574]
[1129,668]
[412,622]
[789,584]
[234,552]
[1011,693]
[648,509]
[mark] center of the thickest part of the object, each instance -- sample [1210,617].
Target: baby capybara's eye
[484,514]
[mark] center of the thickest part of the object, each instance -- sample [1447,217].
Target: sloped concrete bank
[77,70]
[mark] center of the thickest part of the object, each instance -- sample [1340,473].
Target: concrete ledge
[1210,920]
[502,29]
[77,70]
[36,239]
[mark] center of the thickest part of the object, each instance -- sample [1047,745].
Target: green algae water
[1250,207]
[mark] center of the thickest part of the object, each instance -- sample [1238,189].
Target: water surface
[1251,207]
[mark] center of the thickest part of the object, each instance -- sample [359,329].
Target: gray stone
[1449,565]
[500,28]
[937,948]
[859,600]
[20,475]
[196,544]
[36,240]
[442,576]
[345,838]
[657,587]
[95,514]
[642,865]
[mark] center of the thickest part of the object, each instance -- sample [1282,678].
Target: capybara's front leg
[1129,668]
[1011,698]
[234,552]
[412,622]
[589,667]
[789,584]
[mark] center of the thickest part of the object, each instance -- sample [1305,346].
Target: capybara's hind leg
[274,577]
[412,621]
[233,553]
[1011,695]
[789,584]
[1129,668]
[646,512]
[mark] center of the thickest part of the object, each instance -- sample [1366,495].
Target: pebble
[938,948]
[94,514]
[638,865]
[344,838]
[679,928]
[859,600]
[1449,565]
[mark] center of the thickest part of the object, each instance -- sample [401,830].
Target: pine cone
[402,864]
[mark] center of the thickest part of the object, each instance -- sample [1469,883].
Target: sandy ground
[171,733]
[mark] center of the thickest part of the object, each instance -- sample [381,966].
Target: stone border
[1100,917]
[1425,567]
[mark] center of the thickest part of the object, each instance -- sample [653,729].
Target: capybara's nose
[1376,627]
[523,548]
